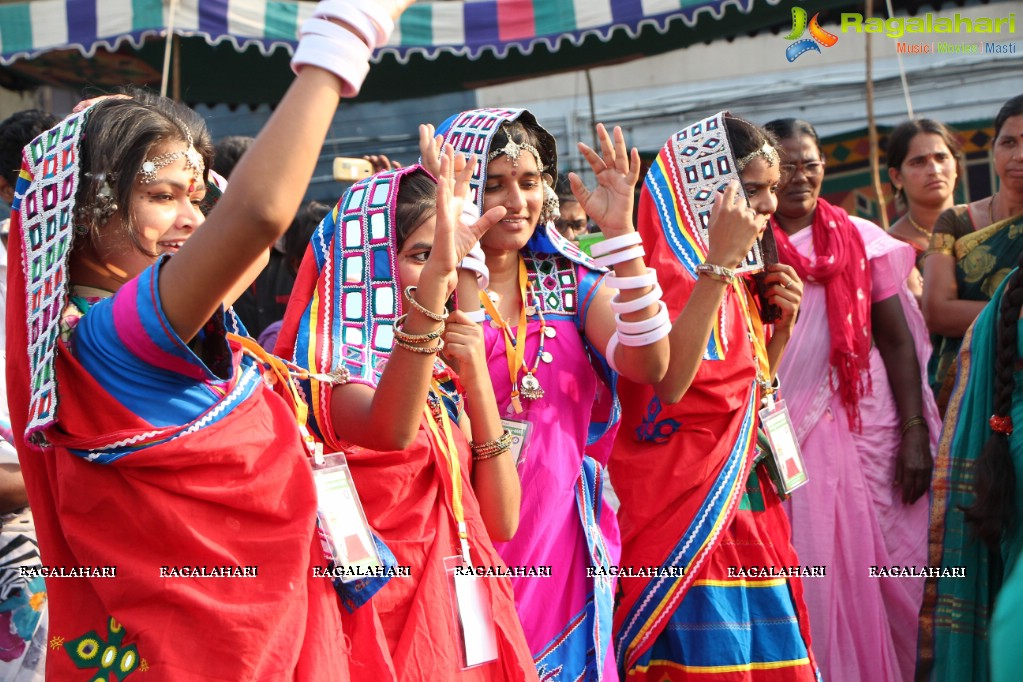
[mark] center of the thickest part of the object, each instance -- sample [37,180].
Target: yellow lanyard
[755,331]
[515,350]
[450,451]
[283,373]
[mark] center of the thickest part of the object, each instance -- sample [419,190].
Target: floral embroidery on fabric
[553,278]
[90,651]
[652,430]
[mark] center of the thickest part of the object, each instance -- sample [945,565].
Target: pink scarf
[840,265]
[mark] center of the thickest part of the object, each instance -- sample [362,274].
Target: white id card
[784,446]
[520,430]
[473,616]
[342,519]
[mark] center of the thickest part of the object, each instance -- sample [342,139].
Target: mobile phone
[348,169]
[769,248]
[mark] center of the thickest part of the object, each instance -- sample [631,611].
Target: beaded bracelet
[491,448]
[401,334]
[419,349]
[436,317]
[913,421]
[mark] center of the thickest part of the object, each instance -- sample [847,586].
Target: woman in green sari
[973,247]
[976,525]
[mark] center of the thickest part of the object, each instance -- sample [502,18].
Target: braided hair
[993,510]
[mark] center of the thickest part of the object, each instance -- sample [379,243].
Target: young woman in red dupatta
[369,302]
[173,498]
[696,499]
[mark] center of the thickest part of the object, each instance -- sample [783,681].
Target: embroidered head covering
[44,212]
[347,296]
[472,132]
[695,164]
[44,208]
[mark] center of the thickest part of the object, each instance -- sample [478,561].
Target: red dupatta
[840,265]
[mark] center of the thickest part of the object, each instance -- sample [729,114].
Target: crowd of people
[807,422]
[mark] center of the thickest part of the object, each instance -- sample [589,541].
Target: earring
[551,209]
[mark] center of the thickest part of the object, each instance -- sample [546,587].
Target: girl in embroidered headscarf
[164,473]
[697,492]
[852,378]
[549,325]
[369,300]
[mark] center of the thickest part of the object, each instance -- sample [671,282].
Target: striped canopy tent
[237,51]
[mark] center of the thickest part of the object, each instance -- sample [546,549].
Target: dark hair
[228,151]
[16,131]
[296,239]
[787,128]
[994,509]
[897,148]
[1014,107]
[746,137]
[118,137]
[417,201]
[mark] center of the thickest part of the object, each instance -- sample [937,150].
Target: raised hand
[732,228]
[453,238]
[381,163]
[617,171]
[430,144]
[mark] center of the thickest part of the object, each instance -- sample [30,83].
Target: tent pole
[902,70]
[875,163]
[593,111]
[167,42]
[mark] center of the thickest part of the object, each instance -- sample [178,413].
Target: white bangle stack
[618,249]
[343,50]
[476,261]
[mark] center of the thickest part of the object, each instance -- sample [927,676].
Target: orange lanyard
[450,451]
[282,373]
[515,349]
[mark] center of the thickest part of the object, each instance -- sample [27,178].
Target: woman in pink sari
[554,351]
[853,382]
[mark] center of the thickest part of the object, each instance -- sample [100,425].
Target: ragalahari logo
[818,36]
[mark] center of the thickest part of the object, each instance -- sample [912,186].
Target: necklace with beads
[528,387]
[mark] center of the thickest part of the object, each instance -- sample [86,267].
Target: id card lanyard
[515,349]
[758,343]
[450,451]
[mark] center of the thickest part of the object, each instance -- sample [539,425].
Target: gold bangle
[399,332]
[491,448]
[419,349]
[913,421]
[718,272]
[436,317]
